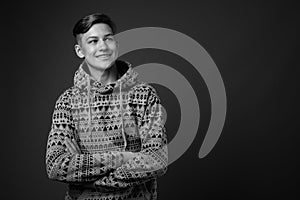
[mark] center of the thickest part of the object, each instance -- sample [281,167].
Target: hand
[127,156]
[122,157]
[72,146]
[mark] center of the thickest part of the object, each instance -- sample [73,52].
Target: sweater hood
[126,77]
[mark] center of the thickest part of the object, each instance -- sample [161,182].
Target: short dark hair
[83,25]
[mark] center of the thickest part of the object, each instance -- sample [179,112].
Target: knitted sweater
[124,115]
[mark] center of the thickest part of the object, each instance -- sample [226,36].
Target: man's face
[98,47]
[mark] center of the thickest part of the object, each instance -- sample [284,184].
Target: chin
[103,65]
[106,66]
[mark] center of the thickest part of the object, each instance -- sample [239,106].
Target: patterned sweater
[125,115]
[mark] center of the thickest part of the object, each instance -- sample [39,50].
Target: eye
[93,41]
[108,39]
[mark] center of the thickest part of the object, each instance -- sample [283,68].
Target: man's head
[95,40]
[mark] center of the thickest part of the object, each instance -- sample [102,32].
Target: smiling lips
[103,56]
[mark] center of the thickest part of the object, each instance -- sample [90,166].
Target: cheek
[90,51]
[115,50]
[113,46]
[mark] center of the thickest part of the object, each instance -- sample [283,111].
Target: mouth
[103,56]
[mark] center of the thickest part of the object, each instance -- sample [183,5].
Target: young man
[107,138]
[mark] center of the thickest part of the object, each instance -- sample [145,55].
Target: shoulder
[147,91]
[144,87]
[65,98]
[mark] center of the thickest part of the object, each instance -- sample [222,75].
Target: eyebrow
[96,37]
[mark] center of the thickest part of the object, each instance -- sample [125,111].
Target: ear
[79,51]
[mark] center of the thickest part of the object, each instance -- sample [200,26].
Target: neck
[104,76]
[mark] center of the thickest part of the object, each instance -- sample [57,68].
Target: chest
[98,121]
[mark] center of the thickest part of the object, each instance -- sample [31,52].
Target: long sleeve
[152,160]
[64,166]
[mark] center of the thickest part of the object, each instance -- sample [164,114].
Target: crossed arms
[65,161]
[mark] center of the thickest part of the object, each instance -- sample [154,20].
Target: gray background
[254,45]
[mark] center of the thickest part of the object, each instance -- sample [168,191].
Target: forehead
[97,30]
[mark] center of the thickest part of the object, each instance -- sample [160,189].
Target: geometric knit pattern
[95,115]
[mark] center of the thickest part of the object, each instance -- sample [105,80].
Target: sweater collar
[126,75]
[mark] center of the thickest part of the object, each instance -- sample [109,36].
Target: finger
[76,146]
[70,146]
[119,159]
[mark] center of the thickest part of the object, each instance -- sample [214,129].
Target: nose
[102,45]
